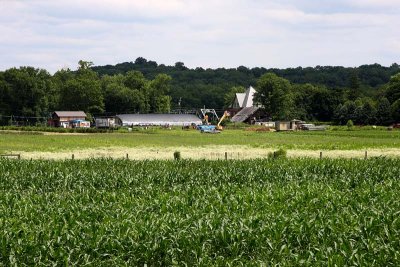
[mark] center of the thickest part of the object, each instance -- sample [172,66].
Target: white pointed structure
[247,105]
[244,100]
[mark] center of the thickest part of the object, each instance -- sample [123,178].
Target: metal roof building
[70,114]
[244,114]
[63,118]
[157,119]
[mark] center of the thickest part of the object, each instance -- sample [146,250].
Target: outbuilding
[157,120]
[282,125]
[64,118]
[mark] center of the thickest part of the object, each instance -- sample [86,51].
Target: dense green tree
[82,92]
[383,112]
[135,80]
[159,88]
[393,89]
[314,102]
[354,84]
[121,99]
[396,110]
[26,89]
[274,94]
[5,100]
[346,112]
[368,114]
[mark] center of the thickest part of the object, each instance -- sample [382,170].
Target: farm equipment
[226,115]
[207,128]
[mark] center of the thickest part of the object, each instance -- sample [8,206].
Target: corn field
[108,212]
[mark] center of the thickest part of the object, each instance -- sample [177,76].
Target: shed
[282,125]
[105,122]
[63,118]
[157,119]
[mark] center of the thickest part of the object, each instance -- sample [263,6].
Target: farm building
[105,122]
[282,125]
[288,125]
[67,119]
[244,100]
[157,119]
[248,114]
[244,108]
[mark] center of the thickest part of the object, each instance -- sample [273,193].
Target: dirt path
[209,152]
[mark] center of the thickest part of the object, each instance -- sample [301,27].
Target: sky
[56,34]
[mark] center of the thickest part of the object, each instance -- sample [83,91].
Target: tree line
[30,95]
[368,94]
[283,100]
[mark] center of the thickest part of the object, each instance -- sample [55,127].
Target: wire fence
[168,155]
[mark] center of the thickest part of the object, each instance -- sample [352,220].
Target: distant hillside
[198,87]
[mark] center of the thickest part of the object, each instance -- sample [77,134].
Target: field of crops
[119,212]
[340,139]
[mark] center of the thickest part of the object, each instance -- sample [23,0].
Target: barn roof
[240,98]
[244,114]
[245,99]
[70,114]
[249,96]
[158,119]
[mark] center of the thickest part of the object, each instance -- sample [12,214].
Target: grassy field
[328,140]
[105,212]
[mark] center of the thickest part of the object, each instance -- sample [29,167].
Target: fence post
[366,155]
[73,156]
[226,155]
[19,156]
[127,156]
[320,155]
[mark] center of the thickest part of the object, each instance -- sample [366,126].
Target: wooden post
[19,156]
[226,155]
[366,155]
[320,155]
[127,156]
[73,156]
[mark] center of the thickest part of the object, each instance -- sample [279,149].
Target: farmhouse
[157,119]
[67,119]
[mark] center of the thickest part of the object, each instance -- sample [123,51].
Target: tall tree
[393,88]
[274,94]
[27,90]
[383,112]
[160,101]
[396,110]
[83,92]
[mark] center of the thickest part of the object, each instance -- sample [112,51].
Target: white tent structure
[157,119]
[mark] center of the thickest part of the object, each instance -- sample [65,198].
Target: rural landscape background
[322,192]
[367,95]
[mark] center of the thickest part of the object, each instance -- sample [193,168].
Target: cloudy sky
[55,34]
